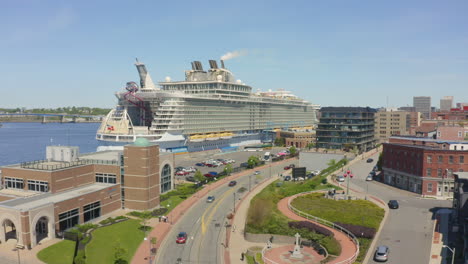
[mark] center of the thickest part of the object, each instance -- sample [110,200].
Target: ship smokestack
[145,79]
[222,64]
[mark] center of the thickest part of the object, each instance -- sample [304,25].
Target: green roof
[142,142]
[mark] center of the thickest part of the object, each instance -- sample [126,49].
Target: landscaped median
[265,218]
[362,218]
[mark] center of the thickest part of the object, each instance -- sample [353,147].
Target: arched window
[166,181]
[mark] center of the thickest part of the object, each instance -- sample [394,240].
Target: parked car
[213,173]
[372,173]
[244,164]
[316,172]
[181,238]
[181,173]
[375,168]
[190,169]
[393,204]
[292,166]
[299,179]
[381,253]
[287,178]
[210,199]
[208,175]
[287,167]
[232,183]
[340,178]
[369,160]
[256,172]
[200,164]
[369,178]
[179,168]
[190,179]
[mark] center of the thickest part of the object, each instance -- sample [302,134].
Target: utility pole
[234,205]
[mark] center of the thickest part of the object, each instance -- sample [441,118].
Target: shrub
[159,211]
[332,246]
[105,221]
[85,240]
[80,257]
[120,217]
[359,231]
[85,227]
[324,181]
[311,227]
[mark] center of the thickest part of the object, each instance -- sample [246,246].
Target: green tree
[380,161]
[253,161]
[120,254]
[310,145]
[145,216]
[331,163]
[228,169]
[292,150]
[199,176]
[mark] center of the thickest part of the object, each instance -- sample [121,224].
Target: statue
[297,248]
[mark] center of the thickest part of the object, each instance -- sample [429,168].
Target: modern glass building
[346,128]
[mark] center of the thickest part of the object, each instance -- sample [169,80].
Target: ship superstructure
[209,109]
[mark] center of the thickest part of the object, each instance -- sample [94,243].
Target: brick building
[41,199]
[297,139]
[423,165]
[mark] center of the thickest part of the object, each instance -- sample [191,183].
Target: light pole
[348,173]
[149,243]
[17,251]
[250,181]
[453,252]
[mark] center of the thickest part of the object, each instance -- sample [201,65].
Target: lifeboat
[212,137]
[226,135]
[197,138]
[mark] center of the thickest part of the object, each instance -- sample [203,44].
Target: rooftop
[28,203]
[439,141]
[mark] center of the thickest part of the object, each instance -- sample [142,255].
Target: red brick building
[41,199]
[423,165]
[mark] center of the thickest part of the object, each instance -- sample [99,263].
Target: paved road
[205,225]
[408,230]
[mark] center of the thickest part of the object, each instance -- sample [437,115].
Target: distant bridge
[62,116]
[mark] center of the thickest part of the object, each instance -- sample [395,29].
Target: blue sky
[332,53]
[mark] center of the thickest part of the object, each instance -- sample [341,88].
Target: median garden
[360,217]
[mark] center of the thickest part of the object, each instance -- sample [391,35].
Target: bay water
[20,142]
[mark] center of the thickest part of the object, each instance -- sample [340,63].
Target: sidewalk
[160,229]
[237,243]
[440,237]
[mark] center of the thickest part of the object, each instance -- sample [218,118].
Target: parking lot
[190,159]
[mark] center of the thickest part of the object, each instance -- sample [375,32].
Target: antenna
[387,102]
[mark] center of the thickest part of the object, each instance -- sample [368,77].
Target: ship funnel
[213,64]
[198,66]
[222,64]
[145,79]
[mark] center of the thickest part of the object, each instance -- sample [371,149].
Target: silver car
[210,199]
[340,179]
[381,254]
[369,178]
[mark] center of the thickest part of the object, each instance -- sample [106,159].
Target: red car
[181,238]
[182,173]
[208,175]
[287,167]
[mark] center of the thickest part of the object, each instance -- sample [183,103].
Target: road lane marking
[212,211]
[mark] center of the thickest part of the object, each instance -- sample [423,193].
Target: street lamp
[350,174]
[17,251]
[453,252]
[234,203]
[149,243]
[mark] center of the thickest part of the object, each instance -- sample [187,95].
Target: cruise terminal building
[41,199]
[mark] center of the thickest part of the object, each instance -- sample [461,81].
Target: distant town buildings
[423,104]
[346,128]
[446,103]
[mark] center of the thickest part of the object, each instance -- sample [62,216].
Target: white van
[267,156]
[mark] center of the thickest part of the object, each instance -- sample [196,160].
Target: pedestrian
[242,256]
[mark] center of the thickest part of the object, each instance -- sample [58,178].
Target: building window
[38,186]
[451,159]
[106,178]
[460,134]
[429,159]
[449,172]
[440,159]
[14,183]
[428,172]
[92,211]
[166,179]
[439,172]
[69,219]
[462,159]
[429,187]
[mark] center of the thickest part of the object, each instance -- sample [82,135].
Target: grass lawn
[60,253]
[355,212]
[101,247]
[171,203]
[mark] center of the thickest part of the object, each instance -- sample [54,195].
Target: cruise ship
[210,109]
